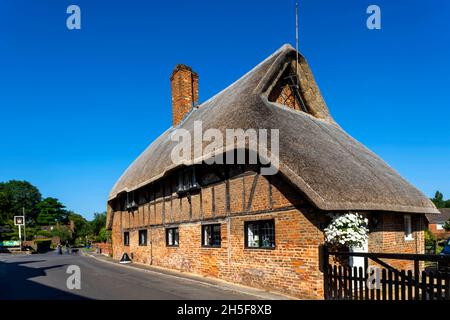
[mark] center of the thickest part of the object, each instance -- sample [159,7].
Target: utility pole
[24,225]
[20,236]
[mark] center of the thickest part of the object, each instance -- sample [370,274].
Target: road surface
[44,277]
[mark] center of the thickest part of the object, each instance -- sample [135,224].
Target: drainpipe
[151,246]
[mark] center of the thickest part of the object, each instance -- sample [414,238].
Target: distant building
[436,223]
[233,223]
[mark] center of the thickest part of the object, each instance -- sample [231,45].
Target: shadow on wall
[16,283]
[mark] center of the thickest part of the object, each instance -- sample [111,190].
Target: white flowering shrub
[350,229]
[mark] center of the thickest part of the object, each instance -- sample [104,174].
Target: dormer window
[187,182]
[131,202]
[287,91]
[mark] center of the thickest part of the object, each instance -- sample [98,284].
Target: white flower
[349,229]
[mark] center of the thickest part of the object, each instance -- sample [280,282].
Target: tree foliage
[98,223]
[63,233]
[51,212]
[439,201]
[447,226]
[15,196]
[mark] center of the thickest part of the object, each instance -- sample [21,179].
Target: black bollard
[125,259]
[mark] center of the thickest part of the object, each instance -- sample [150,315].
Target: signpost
[19,221]
[24,226]
[9,244]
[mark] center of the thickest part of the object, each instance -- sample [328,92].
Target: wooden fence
[385,282]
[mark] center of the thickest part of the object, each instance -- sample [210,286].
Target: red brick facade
[439,233]
[103,248]
[292,267]
[389,237]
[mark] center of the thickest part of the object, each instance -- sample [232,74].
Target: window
[126,238]
[142,237]
[131,200]
[260,234]
[187,181]
[172,237]
[408,227]
[211,235]
[439,226]
[286,91]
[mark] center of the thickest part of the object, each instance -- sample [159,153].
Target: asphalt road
[44,277]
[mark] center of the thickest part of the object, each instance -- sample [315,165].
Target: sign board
[7,244]
[19,220]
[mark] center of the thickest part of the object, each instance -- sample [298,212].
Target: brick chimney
[184,92]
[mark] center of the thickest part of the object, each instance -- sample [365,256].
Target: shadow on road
[16,283]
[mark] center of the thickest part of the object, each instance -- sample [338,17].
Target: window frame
[285,78]
[408,227]
[127,237]
[211,230]
[187,182]
[259,223]
[168,230]
[146,238]
[131,201]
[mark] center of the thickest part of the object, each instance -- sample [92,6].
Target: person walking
[59,249]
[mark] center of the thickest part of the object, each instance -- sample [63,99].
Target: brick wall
[439,234]
[389,237]
[103,248]
[292,267]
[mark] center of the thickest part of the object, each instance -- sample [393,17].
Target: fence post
[325,263]
[416,280]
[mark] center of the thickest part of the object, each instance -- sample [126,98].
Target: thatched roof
[439,218]
[331,168]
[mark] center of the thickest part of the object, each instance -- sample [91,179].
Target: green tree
[10,231]
[63,233]
[82,228]
[447,225]
[98,223]
[438,199]
[16,196]
[102,235]
[51,212]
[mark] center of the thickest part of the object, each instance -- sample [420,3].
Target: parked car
[445,265]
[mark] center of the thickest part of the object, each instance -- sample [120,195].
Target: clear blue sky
[78,106]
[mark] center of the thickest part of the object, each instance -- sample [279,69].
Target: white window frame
[439,226]
[140,242]
[172,237]
[408,227]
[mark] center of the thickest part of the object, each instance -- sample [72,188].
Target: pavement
[44,277]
